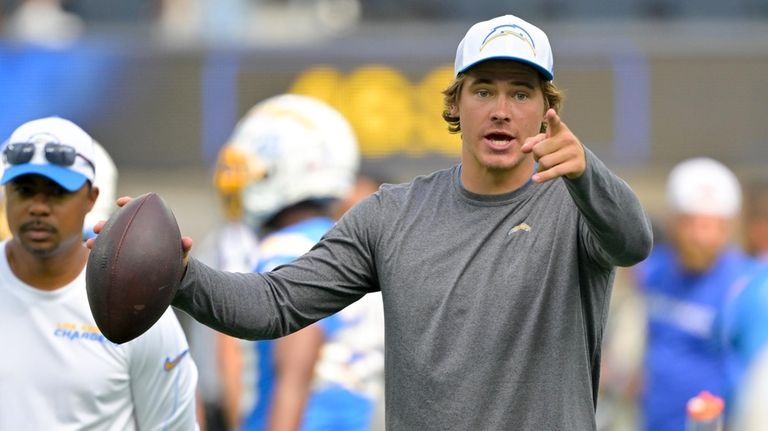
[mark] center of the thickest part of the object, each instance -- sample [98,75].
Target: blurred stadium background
[160,84]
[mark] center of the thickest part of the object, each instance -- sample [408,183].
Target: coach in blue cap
[61,373]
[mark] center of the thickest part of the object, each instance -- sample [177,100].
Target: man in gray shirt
[496,274]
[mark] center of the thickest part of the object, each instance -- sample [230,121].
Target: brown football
[135,268]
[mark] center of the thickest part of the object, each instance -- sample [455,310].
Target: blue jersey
[351,361]
[685,353]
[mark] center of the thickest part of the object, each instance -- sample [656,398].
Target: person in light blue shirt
[746,320]
[746,338]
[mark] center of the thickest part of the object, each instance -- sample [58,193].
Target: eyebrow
[514,82]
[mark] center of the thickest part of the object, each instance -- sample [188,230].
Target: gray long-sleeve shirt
[494,305]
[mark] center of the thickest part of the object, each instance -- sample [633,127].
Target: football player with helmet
[289,160]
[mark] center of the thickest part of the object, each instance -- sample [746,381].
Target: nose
[40,205]
[501,111]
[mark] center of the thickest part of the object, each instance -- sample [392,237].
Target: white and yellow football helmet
[285,150]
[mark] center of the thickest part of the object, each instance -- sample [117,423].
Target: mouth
[37,231]
[499,140]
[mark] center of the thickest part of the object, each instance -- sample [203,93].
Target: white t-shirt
[57,372]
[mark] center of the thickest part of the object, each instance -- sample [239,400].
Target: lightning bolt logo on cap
[509,30]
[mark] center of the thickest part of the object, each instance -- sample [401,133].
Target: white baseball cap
[53,147]
[703,186]
[505,37]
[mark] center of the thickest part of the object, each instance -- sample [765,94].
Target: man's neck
[48,272]
[496,181]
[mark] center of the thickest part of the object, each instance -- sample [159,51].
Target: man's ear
[93,194]
[543,127]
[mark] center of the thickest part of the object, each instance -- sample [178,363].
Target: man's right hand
[186,242]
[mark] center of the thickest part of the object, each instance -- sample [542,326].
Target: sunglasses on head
[57,154]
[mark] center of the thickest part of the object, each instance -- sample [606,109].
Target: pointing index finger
[553,121]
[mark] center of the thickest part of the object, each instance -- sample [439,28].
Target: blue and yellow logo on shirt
[78,331]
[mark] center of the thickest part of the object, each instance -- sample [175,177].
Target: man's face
[699,239]
[500,105]
[44,218]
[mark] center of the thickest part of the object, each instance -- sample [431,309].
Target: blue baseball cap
[52,147]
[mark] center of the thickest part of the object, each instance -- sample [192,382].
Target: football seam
[113,269]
